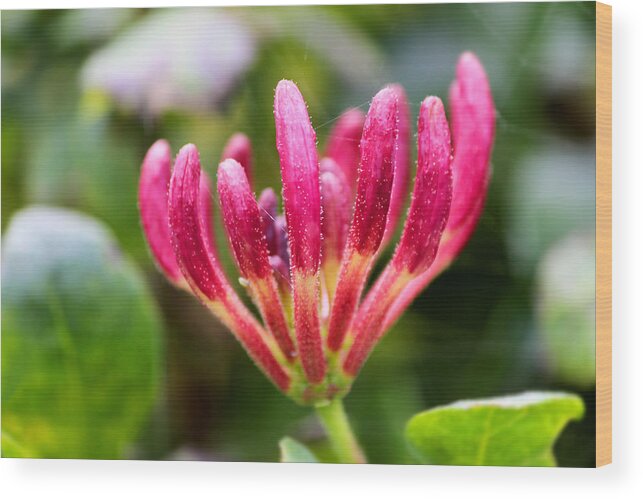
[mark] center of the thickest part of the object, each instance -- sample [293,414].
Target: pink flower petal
[301,194]
[374,185]
[429,210]
[473,122]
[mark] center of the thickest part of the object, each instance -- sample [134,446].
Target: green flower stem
[340,433]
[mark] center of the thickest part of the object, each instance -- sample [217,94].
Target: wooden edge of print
[603,234]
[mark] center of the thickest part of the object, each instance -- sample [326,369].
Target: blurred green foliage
[478,331]
[81,340]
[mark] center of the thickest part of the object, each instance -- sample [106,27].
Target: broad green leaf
[294,452]
[516,430]
[81,344]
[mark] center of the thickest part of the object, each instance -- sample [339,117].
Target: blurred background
[86,92]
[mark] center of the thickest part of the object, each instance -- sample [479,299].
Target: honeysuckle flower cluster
[306,271]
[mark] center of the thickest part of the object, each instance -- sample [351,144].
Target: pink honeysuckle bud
[473,122]
[301,194]
[343,144]
[152,201]
[432,193]
[363,177]
[336,203]
[473,125]
[153,204]
[244,227]
[239,148]
[374,186]
[203,272]
[191,245]
[402,166]
[423,228]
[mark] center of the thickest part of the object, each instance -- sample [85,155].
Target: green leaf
[81,344]
[516,430]
[294,452]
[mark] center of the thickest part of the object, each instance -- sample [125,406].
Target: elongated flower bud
[300,174]
[425,223]
[203,272]
[343,144]
[244,227]
[374,185]
[239,148]
[432,193]
[473,125]
[154,185]
[152,201]
[402,166]
[473,122]
[336,203]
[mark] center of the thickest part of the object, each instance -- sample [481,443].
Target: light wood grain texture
[603,234]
